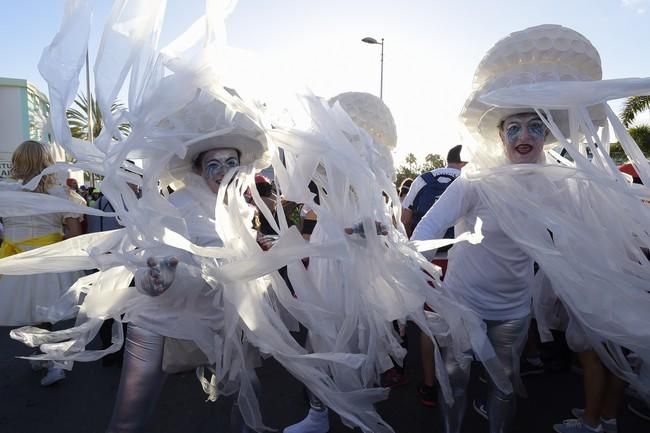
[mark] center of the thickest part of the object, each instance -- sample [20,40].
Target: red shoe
[427,395]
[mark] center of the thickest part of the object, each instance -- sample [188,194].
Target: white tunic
[190,308]
[494,277]
[20,294]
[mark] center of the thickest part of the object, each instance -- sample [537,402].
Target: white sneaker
[38,364]
[316,421]
[53,375]
[609,425]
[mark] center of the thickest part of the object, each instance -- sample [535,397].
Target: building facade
[23,115]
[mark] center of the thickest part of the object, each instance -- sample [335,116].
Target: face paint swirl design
[535,127]
[523,136]
[215,165]
[216,169]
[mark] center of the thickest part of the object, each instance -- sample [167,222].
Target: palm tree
[641,135]
[78,118]
[633,106]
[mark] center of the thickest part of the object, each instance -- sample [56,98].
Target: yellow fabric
[10,248]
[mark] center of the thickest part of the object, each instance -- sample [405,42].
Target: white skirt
[21,294]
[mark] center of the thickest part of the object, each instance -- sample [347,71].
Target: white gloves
[157,277]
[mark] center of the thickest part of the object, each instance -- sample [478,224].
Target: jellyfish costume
[577,218]
[227,296]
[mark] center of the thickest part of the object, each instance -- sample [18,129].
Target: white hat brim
[486,110]
[251,145]
[558,95]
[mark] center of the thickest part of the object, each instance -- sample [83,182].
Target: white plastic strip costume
[221,297]
[584,225]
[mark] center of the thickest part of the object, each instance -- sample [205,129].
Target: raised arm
[453,204]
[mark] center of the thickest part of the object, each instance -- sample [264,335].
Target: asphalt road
[83,402]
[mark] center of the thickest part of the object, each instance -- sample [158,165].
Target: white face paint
[523,137]
[216,163]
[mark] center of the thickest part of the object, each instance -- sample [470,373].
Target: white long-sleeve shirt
[493,278]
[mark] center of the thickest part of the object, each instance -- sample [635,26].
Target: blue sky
[432,47]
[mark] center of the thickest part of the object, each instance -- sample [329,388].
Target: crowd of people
[211,264]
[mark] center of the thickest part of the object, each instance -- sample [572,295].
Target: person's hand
[267,241]
[358,229]
[159,275]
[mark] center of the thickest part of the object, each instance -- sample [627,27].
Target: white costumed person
[218,147]
[370,116]
[581,222]
[200,273]
[378,278]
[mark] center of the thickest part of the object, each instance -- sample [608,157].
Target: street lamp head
[369,40]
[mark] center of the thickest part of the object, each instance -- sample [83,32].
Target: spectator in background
[101,224]
[404,188]
[95,194]
[72,184]
[83,192]
[423,193]
[432,184]
[21,294]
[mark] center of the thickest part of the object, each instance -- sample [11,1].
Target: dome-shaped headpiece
[207,123]
[370,113]
[543,54]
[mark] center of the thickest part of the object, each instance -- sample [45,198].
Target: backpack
[428,195]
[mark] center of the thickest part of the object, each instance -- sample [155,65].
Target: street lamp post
[369,40]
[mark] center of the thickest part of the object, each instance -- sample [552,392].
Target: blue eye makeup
[215,168]
[512,132]
[536,128]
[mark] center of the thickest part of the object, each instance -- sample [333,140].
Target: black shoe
[480,407]
[427,395]
[113,359]
[640,409]
[527,368]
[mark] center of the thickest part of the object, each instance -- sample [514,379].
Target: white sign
[5,167]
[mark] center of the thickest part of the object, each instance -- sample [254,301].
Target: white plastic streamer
[584,225]
[228,296]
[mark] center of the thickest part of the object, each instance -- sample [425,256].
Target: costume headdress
[207,123]
[370,113]
[544,54]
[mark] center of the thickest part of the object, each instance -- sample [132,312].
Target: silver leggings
[507,338]
[141,381]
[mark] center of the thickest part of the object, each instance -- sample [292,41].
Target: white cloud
[638,6]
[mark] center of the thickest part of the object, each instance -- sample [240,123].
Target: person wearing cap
[535,87]
[95,194]
[443,175]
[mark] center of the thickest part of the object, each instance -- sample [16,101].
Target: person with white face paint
[535,87]
[202,171]
[493,278]
[214,164]
[523,136]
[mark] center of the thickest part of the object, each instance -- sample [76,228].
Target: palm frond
[77,116]
[633,106]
